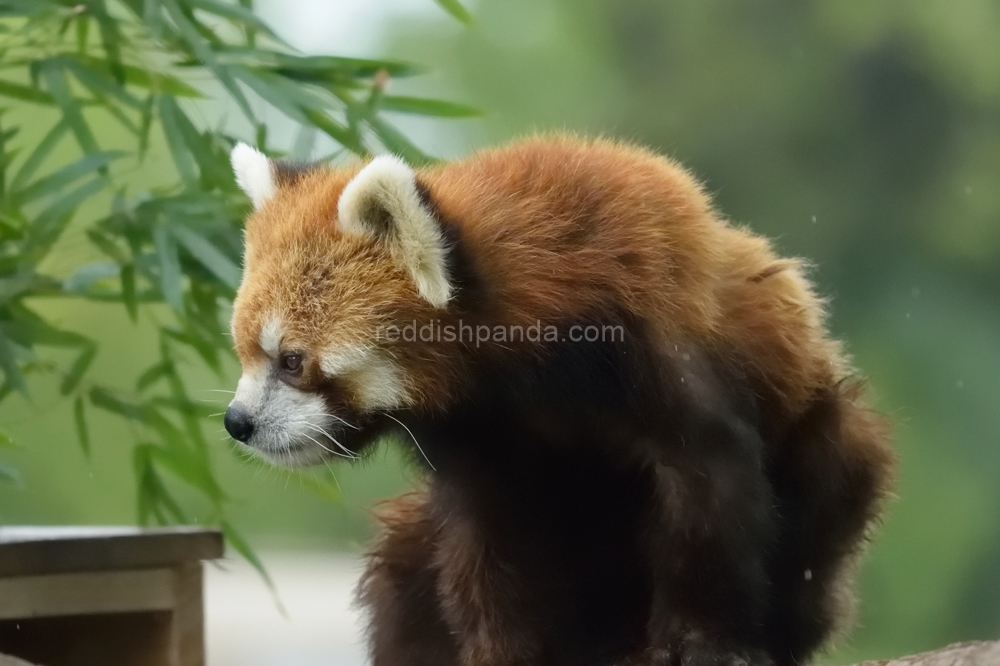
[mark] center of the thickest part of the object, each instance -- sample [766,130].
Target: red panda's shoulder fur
[562,225]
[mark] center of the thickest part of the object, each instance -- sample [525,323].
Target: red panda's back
[563,227]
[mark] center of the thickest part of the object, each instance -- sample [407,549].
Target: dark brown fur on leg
[483,601]
[832,474]
[399,590]
[710,602]
[713,520]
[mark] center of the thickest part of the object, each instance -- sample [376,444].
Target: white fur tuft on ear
[382,201]
[254,174]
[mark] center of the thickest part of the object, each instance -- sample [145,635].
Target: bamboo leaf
[336,131]
[111,38]
[183,159]
[187,466]
[25,7]
[457,10]
[153,495]
[55,79]
[206,349]
[236,540]
[24,283]
[153,375]
[82,33]
[50,223]
[25,93]
[101,84]
[85,276]
[204,53]
[9,475]
[104,399]
[235,13]
[106,244]
[80,419]
[182,405]
[11,371]
[195,143]
[58,181]
[209,256]
[29,330]
[282,97]
[145,124]
[76,372]
[313,68]
[38,155]
[127,277]
[5,158]
[397,143]
[144,78]
[170,267]
[427,107]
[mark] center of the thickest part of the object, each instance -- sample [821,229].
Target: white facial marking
[376,381]
[250,389]
[270,337]
[344,361]
[380,385]
[253,174]
[415,240]
[291,427]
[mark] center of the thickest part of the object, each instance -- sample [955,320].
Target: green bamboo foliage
[148,67]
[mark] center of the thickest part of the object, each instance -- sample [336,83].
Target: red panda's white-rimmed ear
[254,174]
[382,201]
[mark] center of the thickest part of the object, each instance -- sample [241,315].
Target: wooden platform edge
[104,549]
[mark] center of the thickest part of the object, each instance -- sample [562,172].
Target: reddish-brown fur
[734,468]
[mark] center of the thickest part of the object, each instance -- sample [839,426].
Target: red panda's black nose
[238,424]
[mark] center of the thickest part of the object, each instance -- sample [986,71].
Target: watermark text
[480,334]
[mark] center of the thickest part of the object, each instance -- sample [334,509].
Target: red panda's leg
[831,477]
[399,591]
[709,553]
[482,600]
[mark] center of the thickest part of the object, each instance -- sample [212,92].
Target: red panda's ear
[383,202]
[254,174]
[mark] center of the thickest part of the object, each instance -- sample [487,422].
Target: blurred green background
[863,136]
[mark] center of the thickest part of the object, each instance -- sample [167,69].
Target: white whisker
[333,439]
[349,425]
[413,438]
[334,475]
[325,448]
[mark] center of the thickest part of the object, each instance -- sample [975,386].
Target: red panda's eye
[291,362]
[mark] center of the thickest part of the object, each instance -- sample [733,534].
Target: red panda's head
[332,258]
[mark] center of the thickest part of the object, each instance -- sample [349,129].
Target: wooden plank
[117,639]
[26,551]
[187,628]
[88,593]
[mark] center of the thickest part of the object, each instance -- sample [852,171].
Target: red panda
[641,445]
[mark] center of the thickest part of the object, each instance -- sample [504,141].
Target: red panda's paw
[705,654]
[698,653]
